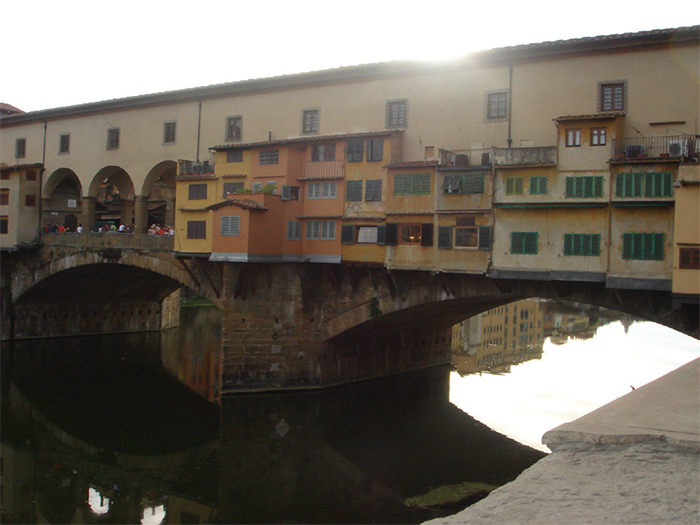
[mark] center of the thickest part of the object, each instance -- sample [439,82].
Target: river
[133,429]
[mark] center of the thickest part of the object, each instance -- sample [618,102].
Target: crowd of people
[109,227]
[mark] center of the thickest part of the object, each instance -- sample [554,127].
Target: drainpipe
[510,102]
[199,127]
[41,180]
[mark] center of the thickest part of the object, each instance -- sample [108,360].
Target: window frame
[582,244]
[353,190]
[576,186]
[472,231]
[270,156]
[234,155]
[689,258]
[572,137]
[310,121]
[410,184]
[20,147]
[375,149]
[169,132]
[293,230]
[324,152]
[4,224]
[64,144]
[113,138]
[194,229]
[408,229]
[230,225]
[373,190]
[320,230]
[233,133]
[607,101]
[197,192]
[322,190]
[643,246]
[396,113]
[4,197]
[538,185]
[598,136]
[520,243]
[234,186]
[355,150]
[514,185]
[497,111]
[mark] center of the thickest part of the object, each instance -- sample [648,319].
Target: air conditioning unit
[678,148]
[635,150]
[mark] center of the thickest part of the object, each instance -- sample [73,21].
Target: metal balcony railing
[679,147]
[189,167]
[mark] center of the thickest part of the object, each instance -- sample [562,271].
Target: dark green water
[131,429]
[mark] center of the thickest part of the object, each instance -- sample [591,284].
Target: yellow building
[686,242]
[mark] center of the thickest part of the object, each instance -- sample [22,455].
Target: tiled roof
[593,116]
[413,164]
[304,139]
[246,204]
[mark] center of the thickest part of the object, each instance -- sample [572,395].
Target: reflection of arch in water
[62,203]
[113,192]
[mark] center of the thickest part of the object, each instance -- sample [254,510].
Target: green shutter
[484,237]
[516,242]
[353,190]
[347,234]
[444,237]
[391,236]
[570,187]
[530,243]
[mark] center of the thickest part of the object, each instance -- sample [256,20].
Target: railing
[324,170]
[679,147]
[542,155]
[189,167]
[109,240]
[462,157]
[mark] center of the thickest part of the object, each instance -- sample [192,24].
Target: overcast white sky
[62,53]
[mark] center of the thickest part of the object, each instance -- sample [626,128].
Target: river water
[133,429]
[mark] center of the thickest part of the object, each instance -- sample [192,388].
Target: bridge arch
[155,204]
[112,193]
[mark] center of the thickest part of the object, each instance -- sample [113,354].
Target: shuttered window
[230,225]
[584,187]
[514,185]
[347,234]
[20,148]
[113,138]
[689,258]
[644,184]
[612,96]
[373,190]
[293,230]
[464,183]
[484,237]
[234,128]
[309,121]
[396,113]
[375,150]
[658,185]
[320,230]
[197,192]
[355,150]
[445,237]
[643,246]
[353,190]
[196,229]
[412,184]
[523,243]
[322,152]
[169,129]
[538,185]
[268,156]
[582,244]
[322,190]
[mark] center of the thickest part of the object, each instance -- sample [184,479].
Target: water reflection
[562,361]
[99,430]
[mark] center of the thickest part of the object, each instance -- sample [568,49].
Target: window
[612,96]
[293,230]
[658,185]
[169,133]
[290,193]
[466,236]
[232,187]
[367,234]
[320,230]
[598,136]
[410,233]
[445,237]
[113,138]
[582,244]
[30,200]
[375,149]
[396,113]
[234,155]
[412,184]
[31,175]
[322,152]
[309,121]
[373,190]
[497,105]
[353,190]
[20,148]
[689,258]
[355,150]
[196,229]
[268,156]
[573,138]
[4,197]
[4,223]
[322,190]
[643,246]
[523,243]
[514,185]
[234,128]
[257,187]
[463,183]
[4,175]
[230,225]
[584,187]
[538,185]
[64,143]
[629,184]
[197,192]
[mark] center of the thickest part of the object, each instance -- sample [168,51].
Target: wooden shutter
[484,237]
[444,237]
[426,234]
[347,234]
[392,234]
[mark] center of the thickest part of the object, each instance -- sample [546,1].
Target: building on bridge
[19,201]
[447,167]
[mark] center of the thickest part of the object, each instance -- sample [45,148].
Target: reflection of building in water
[513,333]
[496,339]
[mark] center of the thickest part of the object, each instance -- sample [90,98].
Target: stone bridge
[286,325]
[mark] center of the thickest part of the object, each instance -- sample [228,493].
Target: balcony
[673,147]
[188,168]
[536,156]
[331,169]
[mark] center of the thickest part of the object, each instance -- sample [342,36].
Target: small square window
[232,187]
[309,121]
[169,129]
[30,200]
[268,156]
[397,113]
[64,143]
[355,150]
[113,138]
[598,137]
[20,148]
[4,197]
[322,152]
[31,175]
[497,105]
[234,155]
[573,138]
[197,192]
[196,229]
[4,224]
[234,128]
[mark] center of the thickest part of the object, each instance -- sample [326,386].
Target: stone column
[140,214]
[88,214]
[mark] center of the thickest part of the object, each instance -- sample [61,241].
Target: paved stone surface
[635,460]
